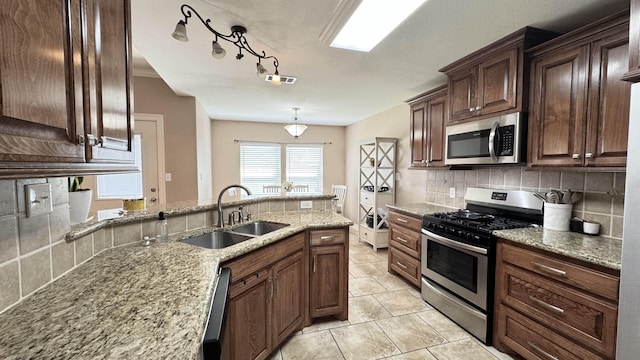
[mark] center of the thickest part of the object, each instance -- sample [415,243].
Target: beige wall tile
[319,205]
[9,284]
[149,228]
[208,217]
[62,255]
[597,203]
[572,181]
[249,209]
[619,181]
[549,180]
[513,176]
[618,205]
[603,220]
[496,178]
[276,206]
[100,241]
[35,271]
[177,224]
[129,233]
[9,238]
[470,178]
[34,232]
[531,179]
[7,197]
[599,182]
[59,190]
[482,177]
[84,248]
[291,205]
[431,175]
[195,221]
[59,220]
[616,226]
[264,207]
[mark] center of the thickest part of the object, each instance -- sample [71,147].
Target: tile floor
[387,319]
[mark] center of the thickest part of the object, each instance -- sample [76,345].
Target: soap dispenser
[161,228]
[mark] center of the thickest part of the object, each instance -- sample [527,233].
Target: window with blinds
[264,166]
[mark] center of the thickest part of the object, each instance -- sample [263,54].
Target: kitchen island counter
[419,209]
[134,301]
[598,250]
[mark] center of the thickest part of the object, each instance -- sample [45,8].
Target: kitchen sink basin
[258,228]
[217,239]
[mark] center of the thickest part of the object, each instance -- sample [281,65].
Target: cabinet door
[608,125]
[249,318]
[418,135]
[558,110]
[497,83]
[328,284]
[40,82]
[437,117]
[462,94]
[109,79]
[288,297]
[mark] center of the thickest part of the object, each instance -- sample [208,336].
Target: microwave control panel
[507,134]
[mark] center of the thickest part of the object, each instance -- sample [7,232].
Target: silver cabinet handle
[549,269]
[401,239]
[327,237]
[547,306]
[401,265]
[575,156]
[588,156]
[402,220]
[539,351]
[471,109]
[478,107]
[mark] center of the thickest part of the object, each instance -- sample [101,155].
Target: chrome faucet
[220,217]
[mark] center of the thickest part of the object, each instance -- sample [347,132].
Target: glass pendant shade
[262,71]
[217,51]
[180,33]
[275,79]
[296,130]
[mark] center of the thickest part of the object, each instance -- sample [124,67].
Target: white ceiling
[335,86]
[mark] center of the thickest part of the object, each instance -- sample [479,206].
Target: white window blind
[118,186]
[304,166]
[260,165]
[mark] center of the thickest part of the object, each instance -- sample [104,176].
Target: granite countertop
[134,302]
[599,250]
[419,209]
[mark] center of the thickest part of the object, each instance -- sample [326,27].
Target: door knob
[153,199]
[153,189]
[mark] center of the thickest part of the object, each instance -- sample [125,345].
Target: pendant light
[296,129]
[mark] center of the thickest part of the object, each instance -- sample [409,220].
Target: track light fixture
[236,38]
[295,129]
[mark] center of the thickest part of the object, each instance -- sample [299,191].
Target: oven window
[457,266]
[469,145]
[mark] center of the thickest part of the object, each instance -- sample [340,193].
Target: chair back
[300,188]
[340,191]
[271,189]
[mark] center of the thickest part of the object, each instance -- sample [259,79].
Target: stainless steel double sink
[223,238]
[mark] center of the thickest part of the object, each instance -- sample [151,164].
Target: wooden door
[418,135]
[327,283]
[288,297]
[40,82]
[558,111]
[249,318]
[609,97]
[436,119]
[462,94]
[109,79]
[497,82]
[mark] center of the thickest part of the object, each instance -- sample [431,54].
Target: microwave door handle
[494,138]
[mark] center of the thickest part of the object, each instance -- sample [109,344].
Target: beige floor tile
[364,341]
[382,266]
[461,350]
[415,292]
[443,325]
[316,345]
[325,325]
[494,351]
[366,308]
[363,258]
[392,282]
[382,254]
[365,286]
[276,355]
[410,332]
[422,354]
[365,269]
[401,302]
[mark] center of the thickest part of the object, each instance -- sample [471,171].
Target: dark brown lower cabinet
[328,274]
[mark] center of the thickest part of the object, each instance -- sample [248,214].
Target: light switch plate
[307,204]
[167,176]
[452,192]
[38,199]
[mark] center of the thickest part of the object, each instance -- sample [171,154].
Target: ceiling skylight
[372,21]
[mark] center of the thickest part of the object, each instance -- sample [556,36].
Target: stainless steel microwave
[497,140]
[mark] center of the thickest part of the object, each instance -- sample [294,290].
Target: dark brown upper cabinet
[428,119]
[493,80]
[579,115]
[65,87]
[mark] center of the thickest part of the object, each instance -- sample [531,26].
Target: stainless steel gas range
[458,254]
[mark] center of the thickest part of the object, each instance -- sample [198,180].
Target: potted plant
[79,200]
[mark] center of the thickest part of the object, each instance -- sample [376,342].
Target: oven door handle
[454,244]
[494,138]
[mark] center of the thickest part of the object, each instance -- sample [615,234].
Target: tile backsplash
[602,201]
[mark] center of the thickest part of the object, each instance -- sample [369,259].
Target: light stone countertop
[599,250]
[133,302]
[419,209]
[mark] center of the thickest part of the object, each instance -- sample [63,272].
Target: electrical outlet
[38,199]
[232,192]
[167,176]
[452,192]
[308,204]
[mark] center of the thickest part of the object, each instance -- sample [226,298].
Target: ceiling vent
[284,79]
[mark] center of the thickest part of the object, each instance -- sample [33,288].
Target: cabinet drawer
[369,198]
[578,316]
[591,280]
[533,340]
[404,265]
[407,241]
[409,222]
[327,237]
